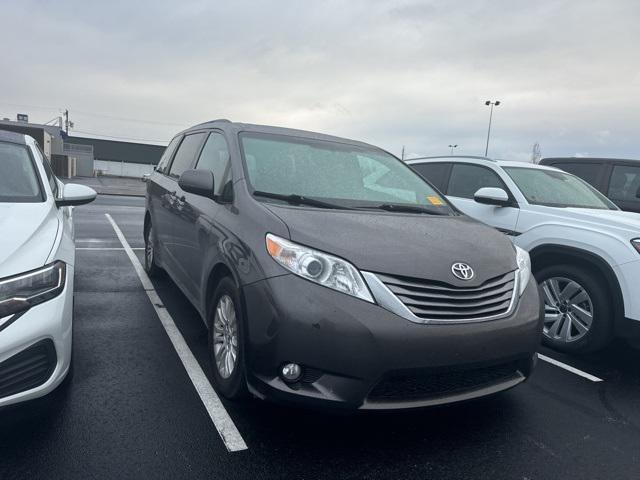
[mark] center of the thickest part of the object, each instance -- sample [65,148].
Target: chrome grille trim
[433,302]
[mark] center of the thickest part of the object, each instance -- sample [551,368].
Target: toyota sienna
[329,273]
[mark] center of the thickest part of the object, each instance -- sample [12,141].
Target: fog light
[291,372]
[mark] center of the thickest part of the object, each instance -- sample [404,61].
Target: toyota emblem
[462,271]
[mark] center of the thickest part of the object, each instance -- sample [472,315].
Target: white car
[37,256]
[584,250]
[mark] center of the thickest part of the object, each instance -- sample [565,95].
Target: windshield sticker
[435,200]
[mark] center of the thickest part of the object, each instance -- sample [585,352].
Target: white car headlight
[21,292]
[318,267]
[524,268]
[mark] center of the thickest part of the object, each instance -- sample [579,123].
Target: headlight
[636,243]
[318,267]
[524,268]
[21,292]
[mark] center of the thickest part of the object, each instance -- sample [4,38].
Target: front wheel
[226,341]
[578,316]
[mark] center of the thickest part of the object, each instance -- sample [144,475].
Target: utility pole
[452,147]
[402,157]
[492,104]
[66,121]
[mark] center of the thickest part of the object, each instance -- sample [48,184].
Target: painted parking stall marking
[221,419]
[569,368]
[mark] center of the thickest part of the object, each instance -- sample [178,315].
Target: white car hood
[611,218]
[27,235]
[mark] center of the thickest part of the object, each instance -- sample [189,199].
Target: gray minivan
[330,274]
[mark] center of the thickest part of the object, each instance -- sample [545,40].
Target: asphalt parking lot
[132,409]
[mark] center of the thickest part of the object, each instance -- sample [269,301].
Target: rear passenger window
[625,184]
[186,154]
[589,172]
[166,156]
[467,179]
[215,157]
[435,173]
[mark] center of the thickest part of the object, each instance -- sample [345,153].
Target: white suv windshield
[18,179]
[348,175]
[557,189]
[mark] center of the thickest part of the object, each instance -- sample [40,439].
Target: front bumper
[355,353]
[41,334]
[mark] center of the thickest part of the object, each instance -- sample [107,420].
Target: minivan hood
[411,245]
[28,234]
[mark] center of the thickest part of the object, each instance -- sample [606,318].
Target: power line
[120,138]
[112,117]
[100,115]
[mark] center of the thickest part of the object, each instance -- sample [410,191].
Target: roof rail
[477,157]
[217,120]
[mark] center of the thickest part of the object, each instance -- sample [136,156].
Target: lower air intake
[28,369]
[423,385]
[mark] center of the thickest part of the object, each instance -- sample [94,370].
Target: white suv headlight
[21,292]
[524,268]
[318,267]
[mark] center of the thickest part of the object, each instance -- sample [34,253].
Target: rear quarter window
[589,172]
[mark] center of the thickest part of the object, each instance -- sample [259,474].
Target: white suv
[585,251]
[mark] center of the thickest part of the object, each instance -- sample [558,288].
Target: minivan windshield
[348,175]
[18,179]
[557,189]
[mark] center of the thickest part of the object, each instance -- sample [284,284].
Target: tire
[226,336]
[578,310]
[150,265]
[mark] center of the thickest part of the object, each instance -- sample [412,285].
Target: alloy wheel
[568,310]
[225,337]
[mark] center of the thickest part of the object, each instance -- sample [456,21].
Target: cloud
[392,73]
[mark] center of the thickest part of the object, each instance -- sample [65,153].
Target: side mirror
[198,182]
[74,194]
[492,196]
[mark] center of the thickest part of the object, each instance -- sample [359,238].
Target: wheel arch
[219,271]
[549,254]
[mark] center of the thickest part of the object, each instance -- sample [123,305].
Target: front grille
[28,369]
[423,385]
[431,300]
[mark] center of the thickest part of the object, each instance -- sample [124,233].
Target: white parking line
[108,248]
[569,368]
[221,419]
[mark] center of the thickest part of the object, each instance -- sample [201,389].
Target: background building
[87,157]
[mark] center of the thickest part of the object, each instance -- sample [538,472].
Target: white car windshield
[18,178]
[557,189]
[343,174]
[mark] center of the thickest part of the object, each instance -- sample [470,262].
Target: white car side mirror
[74,194]
[492,196]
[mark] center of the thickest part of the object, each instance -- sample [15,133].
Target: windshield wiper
[295,199]
[395,207]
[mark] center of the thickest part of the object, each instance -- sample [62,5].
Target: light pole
[492,104]
[452,147]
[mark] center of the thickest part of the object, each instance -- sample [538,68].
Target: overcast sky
[392,73]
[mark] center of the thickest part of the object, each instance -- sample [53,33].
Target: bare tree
[536,154]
